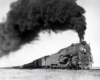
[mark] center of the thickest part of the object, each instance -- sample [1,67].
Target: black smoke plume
[27,18]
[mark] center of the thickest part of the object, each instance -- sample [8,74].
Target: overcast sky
[49,44]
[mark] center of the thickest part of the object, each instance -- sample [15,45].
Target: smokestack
[27,18]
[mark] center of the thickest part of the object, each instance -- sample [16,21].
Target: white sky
[49,44]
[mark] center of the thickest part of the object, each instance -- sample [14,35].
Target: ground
[49,74]
[55,74]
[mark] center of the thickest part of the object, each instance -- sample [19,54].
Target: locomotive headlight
[83,49]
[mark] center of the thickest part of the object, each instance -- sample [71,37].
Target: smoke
[27,18]
[46,45]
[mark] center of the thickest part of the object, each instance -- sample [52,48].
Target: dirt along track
[59,74]
[49,74]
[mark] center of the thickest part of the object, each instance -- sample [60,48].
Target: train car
[33,65]
[28,66]
[52,61]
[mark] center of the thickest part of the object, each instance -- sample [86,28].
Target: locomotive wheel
[74,61]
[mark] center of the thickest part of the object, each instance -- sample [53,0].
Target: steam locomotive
[76,56]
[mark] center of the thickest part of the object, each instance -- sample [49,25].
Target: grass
[66,74]
[49,74]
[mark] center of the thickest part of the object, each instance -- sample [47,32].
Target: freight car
[35,64]
[76,56]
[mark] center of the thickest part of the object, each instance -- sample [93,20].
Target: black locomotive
[76,56]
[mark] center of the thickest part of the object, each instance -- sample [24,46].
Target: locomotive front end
[85,58]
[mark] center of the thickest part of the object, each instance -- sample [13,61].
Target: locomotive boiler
[76,56]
